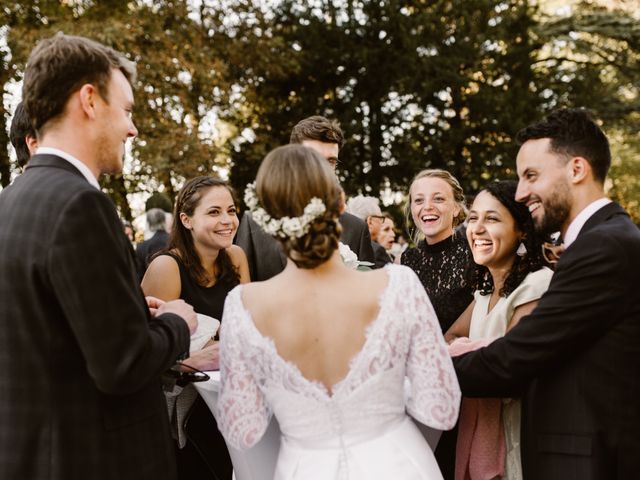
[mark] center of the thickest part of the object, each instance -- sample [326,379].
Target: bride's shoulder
[400,272]
[391,278]
[402,278]
[254,295]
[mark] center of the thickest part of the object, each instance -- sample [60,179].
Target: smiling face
[115,124]
[492,233]
[387,235]
[214,221]
[433,208]
[544,186]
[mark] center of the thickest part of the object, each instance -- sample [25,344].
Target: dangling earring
[522,250]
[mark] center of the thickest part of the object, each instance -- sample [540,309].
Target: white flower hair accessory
[285,227]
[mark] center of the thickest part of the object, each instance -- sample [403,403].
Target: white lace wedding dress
[361,430]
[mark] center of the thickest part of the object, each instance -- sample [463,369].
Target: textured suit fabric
[355,233]
[380,255]
[80,356]
[575,360]
[266,258]
[146,249]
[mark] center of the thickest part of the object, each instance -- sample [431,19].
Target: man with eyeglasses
[367,209]
[264,254]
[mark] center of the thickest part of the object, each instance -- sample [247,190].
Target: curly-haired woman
[509,277]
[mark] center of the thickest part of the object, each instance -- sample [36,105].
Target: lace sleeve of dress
[435,393]
[242,411]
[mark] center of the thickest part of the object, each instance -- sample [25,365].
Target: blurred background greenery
[414,83]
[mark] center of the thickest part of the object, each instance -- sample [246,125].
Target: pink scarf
[481,450]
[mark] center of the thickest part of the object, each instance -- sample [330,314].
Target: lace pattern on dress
[404,339]
[440,268]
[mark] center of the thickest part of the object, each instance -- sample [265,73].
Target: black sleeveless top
[206,300]
[440,267]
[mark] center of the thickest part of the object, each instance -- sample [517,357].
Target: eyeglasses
[379,217]
[177,376]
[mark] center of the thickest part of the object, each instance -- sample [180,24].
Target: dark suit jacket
[80,356]
[266,258]
[146,249]
[575,359]
[380,254]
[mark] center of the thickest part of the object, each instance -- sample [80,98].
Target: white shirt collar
[84,170]
[581,219]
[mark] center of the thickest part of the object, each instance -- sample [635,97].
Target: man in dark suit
[368,210]
[156,223]
[574,359]
[264,254]
[80,354]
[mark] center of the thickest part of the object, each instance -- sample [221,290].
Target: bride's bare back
[317,318]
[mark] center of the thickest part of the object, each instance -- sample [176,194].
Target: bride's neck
[334,265]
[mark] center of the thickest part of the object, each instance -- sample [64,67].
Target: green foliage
[415,84]
[591,59]
[180,81]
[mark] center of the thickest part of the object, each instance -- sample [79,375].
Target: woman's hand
[206,359]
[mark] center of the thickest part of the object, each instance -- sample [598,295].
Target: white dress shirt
[581,219]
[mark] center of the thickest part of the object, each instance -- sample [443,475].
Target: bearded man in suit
[80,351]
[266,258]
[574,359]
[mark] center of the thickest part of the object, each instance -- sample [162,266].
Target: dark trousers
[205,456]
[446,453]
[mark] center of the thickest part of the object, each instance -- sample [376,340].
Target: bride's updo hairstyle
[288,178]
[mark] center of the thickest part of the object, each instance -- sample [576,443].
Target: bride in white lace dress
[326,349]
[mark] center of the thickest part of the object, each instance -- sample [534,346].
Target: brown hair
[20,129]
[317,128]
[181,241]
[458,197]
[573,133]
[59,66]
[288,178]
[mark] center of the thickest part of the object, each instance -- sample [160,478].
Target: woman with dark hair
[509,277]
[326,348]
[201,262]
[200,266]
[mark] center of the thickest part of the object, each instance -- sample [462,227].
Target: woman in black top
[434,209]
[201,266]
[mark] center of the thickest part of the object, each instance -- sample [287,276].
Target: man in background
[156,223]
[264,254]
[22,136]
[368,209]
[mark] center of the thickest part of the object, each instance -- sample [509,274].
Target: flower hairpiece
[285,227]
